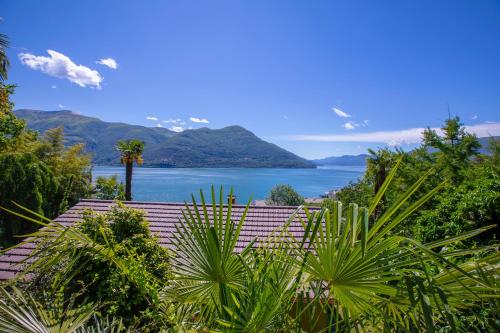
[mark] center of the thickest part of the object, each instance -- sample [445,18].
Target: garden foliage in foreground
[348,272]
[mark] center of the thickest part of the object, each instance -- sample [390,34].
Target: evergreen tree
[455,149]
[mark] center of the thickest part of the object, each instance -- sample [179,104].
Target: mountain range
[231,146]
[360,160]
[344,160]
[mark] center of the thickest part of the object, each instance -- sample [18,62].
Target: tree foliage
[470,197]
[284,195]
[26,180]
[36,171]
[455,148]
[4,60]
[109,188]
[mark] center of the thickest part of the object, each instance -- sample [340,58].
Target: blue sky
[277,68]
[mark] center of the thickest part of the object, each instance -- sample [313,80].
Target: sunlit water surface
[177,185]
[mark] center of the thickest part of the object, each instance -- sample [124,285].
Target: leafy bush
[109,188]
[284,195]
[125,234]
[472,204]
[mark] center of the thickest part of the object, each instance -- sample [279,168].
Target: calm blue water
[176,185]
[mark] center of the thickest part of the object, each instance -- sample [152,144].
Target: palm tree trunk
[128,181]
[379,180]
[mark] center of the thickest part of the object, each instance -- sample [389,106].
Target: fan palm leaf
[22,314]
[362,269]
[207,268]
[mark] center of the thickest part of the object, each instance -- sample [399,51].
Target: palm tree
[378,163]
[131,150]
[4,61]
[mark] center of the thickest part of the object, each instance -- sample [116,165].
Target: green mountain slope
[231,146]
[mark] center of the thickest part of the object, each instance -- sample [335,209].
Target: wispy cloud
[341,113]
[177,122]
[159,125]
[176,128]
[172,121]
[54,86]
[61,106]
[404,136]
[109,62]
[474,117]
[61,66]
[152,118]
[350,125]
[199,120]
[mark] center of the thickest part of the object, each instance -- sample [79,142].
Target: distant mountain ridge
[351,160]
[231,146]
[360,160]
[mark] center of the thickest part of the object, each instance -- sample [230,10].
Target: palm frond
[22,314]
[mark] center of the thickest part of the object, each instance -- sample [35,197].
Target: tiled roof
[260,222]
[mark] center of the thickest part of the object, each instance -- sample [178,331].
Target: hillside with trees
[232,146]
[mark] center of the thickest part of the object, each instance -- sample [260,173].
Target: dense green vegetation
[92,279]
[231,146]
[4,60]
[470,197]
[37,171]
[108,188]
[348,272]
[284,195]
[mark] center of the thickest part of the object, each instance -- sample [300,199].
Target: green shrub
[109,188]
[124,232]
[472,204]
[284,195]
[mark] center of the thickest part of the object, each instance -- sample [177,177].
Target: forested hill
[231,146]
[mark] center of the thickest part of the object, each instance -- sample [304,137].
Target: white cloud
[109,62]
[350,125]
[198,120]
[405,136]
[152,118]
[61,106]
[474,117]
[159,125]
[341,113]
[61,66]
[54,86]
[173,121]
[176,128]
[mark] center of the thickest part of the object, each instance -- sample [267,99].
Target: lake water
[177,185]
